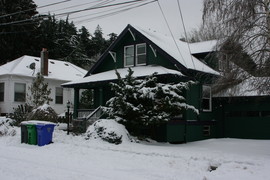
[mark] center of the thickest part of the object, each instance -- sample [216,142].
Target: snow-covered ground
[73,157]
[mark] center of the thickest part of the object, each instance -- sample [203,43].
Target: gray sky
[148,16]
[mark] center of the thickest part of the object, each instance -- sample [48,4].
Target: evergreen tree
[17,24]
[142,102]
[40,93]
[97,44]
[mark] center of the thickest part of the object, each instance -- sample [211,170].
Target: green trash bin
[32,134]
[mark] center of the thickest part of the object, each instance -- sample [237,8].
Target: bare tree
[245,37]
[205,32]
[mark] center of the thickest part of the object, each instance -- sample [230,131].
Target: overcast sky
[148,16]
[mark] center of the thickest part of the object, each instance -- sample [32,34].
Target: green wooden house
[145,52]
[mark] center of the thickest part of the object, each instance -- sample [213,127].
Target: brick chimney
[44,64]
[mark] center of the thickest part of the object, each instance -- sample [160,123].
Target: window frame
[207,98]
[16,98]
[57,95]
[137,54]
[2,93]
[125,56]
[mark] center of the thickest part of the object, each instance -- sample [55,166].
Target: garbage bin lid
[35,122]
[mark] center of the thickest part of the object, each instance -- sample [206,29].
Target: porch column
[76,102]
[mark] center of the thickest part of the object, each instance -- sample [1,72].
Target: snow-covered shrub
[21,113]
[108,130]
[139,103]
[44,113]
[6,127]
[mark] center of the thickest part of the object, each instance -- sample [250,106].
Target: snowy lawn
[73,157]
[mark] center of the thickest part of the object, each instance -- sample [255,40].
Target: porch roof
[139,71]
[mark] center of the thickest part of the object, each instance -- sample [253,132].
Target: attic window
[52,62]
[135,55]
[37,60]
[66,64]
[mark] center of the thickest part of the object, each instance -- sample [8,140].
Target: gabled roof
[59,70]
[174,50]
[139,71]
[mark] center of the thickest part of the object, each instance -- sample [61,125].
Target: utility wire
[119,10]
[11,14]
[70,7]
[184,27]
[171,32]
[110,14]
[98,7]
[73,12]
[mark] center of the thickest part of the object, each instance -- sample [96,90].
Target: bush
[21,113]
[44,113]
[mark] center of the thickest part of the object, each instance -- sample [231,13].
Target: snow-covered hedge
[44,113]
[6,127]
[108,130]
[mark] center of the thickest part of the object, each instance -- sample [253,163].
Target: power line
[100,12]
[98,7]
[11,14]
[184,27]
[126,8]
[72,12]
[106,15]
[171,32]
[72,6]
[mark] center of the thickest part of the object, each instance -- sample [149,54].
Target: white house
[16,76]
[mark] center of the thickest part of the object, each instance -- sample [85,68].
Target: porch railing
[85,118]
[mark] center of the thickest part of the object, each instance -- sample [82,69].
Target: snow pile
[6,127]
[108,130]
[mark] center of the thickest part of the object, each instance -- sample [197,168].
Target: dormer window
[141,54]
[135,55]
[129,56]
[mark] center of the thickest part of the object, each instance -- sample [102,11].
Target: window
[206,99]
[129,56]
[141,54]
[20,92]
[58,95]
[2,90]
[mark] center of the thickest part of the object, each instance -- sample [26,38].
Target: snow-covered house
[16,76]
[243,114]
[146,52]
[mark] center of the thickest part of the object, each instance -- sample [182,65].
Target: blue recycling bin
[44,134]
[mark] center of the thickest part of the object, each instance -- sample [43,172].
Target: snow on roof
[60,70]
[202,47]
[180,52]
[139,71]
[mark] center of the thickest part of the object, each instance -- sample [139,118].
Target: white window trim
[125,63]
[137,64]
[210,99]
